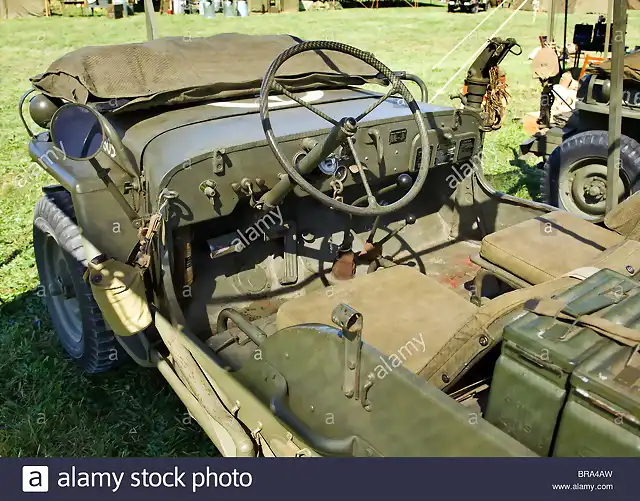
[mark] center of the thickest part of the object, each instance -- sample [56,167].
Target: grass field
[47,408]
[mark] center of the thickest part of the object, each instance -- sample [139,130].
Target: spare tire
[575,174]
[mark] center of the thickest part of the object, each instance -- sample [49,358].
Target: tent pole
[552,20]
[607,37]
[615,103]
[565,51]
[150,19]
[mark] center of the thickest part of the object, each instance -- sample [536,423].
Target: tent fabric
[576,6]
[10,9]
[174,70]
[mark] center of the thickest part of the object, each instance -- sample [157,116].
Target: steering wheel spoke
[280,88]
[344,130]
[393,90]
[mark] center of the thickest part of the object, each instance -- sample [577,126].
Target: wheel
[451,8]
[61,264]
[575,174]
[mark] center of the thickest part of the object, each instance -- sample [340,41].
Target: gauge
[329,166]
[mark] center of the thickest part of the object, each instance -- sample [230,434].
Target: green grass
[47,408]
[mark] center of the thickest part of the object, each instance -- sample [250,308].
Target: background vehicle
[472,6]
[574,146]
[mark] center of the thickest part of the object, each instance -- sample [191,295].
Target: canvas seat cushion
[407,316]
[546,247]
[625,218]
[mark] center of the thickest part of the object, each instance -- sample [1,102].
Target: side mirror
[77,131]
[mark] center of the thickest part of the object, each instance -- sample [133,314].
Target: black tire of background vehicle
[56,234]
[451,8]
[595,144]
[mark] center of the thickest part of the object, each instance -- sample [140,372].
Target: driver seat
[407,315]
[415,321]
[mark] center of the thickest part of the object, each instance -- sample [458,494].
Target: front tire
[61,263]
[575,174]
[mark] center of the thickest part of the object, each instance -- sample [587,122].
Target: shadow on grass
[49,408]
[522,181]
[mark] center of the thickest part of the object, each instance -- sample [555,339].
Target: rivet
[484,341]
[445,378]
[630,269]
[97,278]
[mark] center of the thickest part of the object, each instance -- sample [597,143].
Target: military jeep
[575,150]
[321,269]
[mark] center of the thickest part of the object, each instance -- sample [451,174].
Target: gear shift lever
[404,182]
[409,220]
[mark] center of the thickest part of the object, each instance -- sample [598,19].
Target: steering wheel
[343,130]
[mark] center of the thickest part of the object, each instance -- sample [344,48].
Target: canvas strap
[553,308]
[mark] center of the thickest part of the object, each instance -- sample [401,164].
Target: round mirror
[76,130]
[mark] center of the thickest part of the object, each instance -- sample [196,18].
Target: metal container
[228,8]
[208,9]
[604,405]
[243,8]
[539,354]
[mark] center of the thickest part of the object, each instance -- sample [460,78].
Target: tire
[450,8]
[579,164]
[61,263]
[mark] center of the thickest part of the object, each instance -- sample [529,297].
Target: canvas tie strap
[582,273]
[553,308]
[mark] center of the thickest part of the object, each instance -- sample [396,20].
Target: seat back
[625,218]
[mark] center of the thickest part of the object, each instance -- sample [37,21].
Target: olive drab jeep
[574,149]
[284,245]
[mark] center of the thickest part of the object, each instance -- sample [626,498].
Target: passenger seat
[546,247]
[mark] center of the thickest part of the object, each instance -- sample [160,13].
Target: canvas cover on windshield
[178,70]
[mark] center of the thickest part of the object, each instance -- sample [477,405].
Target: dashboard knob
[405,181]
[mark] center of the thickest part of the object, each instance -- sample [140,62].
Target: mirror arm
[103,174]
[115,140]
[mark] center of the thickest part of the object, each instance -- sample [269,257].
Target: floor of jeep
[448,262]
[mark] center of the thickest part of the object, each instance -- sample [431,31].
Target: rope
[495,104]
